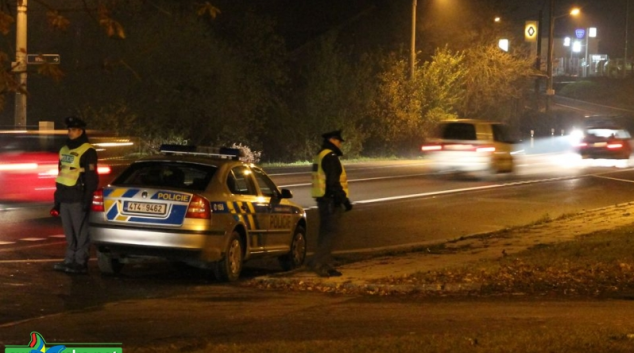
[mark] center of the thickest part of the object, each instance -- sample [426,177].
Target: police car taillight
[97,201]
[198,208]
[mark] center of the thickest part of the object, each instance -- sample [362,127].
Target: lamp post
[551,45]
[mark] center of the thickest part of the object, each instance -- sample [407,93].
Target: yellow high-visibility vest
[319,176]
[70,168]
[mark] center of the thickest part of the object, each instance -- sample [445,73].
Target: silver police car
[209,210]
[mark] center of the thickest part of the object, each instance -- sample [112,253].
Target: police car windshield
[157,174]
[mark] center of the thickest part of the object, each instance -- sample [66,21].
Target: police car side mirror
[286,194]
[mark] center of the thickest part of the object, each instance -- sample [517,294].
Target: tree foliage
[333,94]
[494,79]
[186,72]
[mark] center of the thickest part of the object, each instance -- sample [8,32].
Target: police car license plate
[145,207]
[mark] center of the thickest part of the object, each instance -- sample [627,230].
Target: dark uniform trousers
[330,215]
[75,223]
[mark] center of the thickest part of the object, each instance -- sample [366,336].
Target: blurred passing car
[472,146]
[28,162]
[605,142]
[208,210]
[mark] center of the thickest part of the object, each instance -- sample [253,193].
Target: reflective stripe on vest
[319,176]
[70,168]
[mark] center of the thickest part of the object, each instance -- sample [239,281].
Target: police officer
[330,190]
[75,184]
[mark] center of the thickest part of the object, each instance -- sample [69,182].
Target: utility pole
[412,59]
[20,66]
[550,92]
[538,61]
[627,15]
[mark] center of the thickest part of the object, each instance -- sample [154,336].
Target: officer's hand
[347,204]
[54,212]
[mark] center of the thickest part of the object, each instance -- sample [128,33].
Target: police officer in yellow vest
[75,184]
[330,190]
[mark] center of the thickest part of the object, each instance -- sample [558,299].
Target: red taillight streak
[485,149]
[198,208]
[97,201]
[103,170]
[18,166]
[431,148]
[458,147]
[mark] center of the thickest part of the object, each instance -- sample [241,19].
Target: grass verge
[595,265]
[536,340]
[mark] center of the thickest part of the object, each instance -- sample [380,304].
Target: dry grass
[536,340]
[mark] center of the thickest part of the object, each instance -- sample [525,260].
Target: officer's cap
[333,134]
[73,121]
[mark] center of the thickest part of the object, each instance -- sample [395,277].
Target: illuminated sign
[530,31]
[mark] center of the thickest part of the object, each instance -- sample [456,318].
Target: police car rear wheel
[229,267]
[297,254]
[108,265]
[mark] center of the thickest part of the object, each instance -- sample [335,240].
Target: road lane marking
[617,179]
[452,191]
[31,239]
[40,245]
[351,167]
[363,179]
[6,242]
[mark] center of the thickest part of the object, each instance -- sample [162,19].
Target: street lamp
[551,34]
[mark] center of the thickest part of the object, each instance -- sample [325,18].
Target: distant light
[580,33]
[592,32]
[497,19]
[575,11]
[113,144]
[576,46]
[103,170]
[567,42]
[504,44]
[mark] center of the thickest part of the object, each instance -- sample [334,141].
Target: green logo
[38,345]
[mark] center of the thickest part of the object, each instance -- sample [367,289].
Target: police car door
[280,229]
[248,207]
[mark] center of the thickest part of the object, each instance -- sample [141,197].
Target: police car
[209,210]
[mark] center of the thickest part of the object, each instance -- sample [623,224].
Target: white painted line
[617,179]
[364,179]
[40,245]
[351,167]
[475,188]
[6,242]
[32,239]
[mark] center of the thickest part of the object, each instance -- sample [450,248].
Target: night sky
[299,18]
[608,16]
